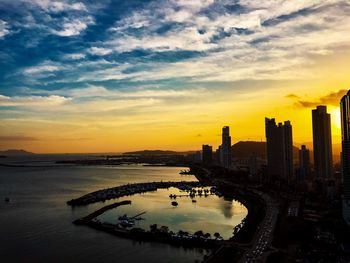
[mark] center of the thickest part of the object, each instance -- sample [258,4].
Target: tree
[217,235]
[207,235]
[180,233]
[199,233]
[153,227]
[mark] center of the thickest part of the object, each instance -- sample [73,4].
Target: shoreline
[239,246]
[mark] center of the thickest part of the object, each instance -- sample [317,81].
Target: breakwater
[100,212]
[129,189]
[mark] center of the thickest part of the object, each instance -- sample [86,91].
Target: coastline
[245,236]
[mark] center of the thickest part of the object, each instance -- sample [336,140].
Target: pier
[100,212]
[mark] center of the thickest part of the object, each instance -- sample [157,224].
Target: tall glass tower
[345,134]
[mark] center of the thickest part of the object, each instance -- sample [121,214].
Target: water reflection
[227,208]
[210,214]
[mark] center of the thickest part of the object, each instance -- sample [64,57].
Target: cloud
[99,51]
[42,68]
[98,92]
[37,101]
[332,99]
[234,45]
[4,28]
[73,27]
[17,138]
[75,56]
[57,6]
[292,96]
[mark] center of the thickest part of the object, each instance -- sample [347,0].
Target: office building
[207,154]
[279,146]
[345,155]
[322,141]
[225,153]
[304,164]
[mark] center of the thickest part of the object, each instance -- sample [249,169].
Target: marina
[178,218]
[129,189]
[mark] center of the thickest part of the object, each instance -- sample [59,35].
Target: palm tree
[153,227]
[217,235]
[199,233]
[180,233]
[207,235]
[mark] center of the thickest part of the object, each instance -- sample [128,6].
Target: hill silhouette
[157,152]
[245,149]
[15,152]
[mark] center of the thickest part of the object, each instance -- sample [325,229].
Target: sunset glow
[112,77]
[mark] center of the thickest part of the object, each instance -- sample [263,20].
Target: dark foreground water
[36,225]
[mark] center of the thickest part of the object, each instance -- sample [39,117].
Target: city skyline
[108,76]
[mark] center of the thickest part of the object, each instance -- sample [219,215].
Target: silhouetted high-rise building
[225,153]
[279,146]
[345,132]
[304,163]
[218,155]
[207,154]
[322,140]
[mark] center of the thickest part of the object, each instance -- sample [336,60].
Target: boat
[194,201]
[174,203]
[123,217]
[127,223]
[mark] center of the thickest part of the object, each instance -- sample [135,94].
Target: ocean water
[36,225]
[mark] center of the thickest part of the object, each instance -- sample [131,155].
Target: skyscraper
[225,154]
[322,141]
[279,146]
[304,163]
[345,132]
[207,154]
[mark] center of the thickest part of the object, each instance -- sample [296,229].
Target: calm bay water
[36,226]
[210,214]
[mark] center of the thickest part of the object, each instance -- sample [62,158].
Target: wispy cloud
[332,98]
[73,27]
[75,56]
[42,68]
[37,101]
[57,6]
[17,138]
[4,28]
[99,51]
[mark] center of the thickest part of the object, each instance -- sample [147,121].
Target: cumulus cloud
[332,98]
[4,28]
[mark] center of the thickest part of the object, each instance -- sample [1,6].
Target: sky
[116,75]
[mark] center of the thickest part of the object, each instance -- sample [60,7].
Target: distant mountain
[245,149]
[14,152]
[157,152]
